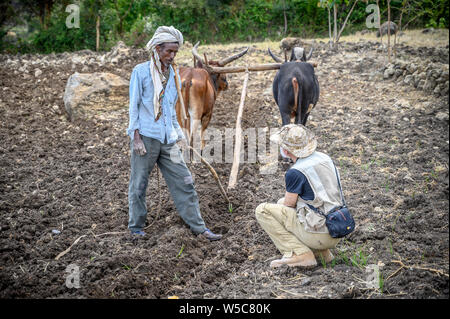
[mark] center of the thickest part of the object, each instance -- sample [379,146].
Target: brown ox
[200,87]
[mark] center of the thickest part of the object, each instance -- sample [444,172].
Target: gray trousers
[178,179]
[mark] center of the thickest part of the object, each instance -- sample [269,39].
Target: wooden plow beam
[237,144]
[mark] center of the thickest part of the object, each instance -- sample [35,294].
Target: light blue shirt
[142,117]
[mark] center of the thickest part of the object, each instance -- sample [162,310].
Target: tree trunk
[379,22]
[399,27]
[335,22]
[97,40]
[122,17]
[389,30]
[285,17]
[345,21]
[329,27]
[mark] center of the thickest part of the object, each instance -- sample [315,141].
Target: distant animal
[295,87]
[383,30]
[288,44]
[200,88]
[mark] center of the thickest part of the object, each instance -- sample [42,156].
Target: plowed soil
[73,177]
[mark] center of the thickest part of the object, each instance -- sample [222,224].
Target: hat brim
[302,153]
[276,137]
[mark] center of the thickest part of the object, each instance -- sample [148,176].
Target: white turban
[162,35]
[165,34]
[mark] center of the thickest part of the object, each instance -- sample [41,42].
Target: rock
[76,59]
[398,73]
[93,91]
[37,73]
[437,90]
[402,103]
[445,89]
[411,68]
[435,73]
[378,210]
[441,116]
[119,52]
[428,30]
[388,73]
[408,79]
[421,84]
[422,76]
[429,85]
[376,76]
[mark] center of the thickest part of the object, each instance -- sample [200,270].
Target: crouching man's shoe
[303,260]
[210,235]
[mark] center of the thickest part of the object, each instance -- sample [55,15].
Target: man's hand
[138,144]
[290,200]
[183,144]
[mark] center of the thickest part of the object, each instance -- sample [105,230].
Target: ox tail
[297,100]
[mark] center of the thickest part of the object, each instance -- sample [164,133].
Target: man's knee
[260,210]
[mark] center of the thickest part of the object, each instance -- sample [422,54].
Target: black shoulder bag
[339,221]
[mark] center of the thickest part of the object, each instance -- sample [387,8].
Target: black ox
[295,87]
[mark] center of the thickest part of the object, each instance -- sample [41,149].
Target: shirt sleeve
[135,100]
[297,183]
[175,123]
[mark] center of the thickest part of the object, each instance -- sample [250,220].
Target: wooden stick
[213,172]
[237,145]
[402,266]
[68,249]
[180,96]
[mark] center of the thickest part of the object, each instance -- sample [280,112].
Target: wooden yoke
[259,67]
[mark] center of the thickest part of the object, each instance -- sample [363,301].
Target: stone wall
[431,77]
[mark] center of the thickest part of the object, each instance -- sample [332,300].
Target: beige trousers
[288,233]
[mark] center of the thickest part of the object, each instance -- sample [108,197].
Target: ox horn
[310,54]
[195,53]
[232,58]
[203,62]
[277,59]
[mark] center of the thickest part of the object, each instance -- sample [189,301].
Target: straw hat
[296,139]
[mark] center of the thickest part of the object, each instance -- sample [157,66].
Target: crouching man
[299,233]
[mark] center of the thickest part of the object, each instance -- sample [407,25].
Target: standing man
[154,131]
[298,232]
